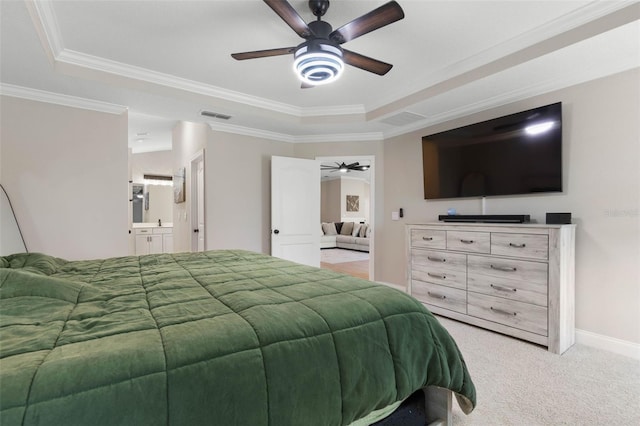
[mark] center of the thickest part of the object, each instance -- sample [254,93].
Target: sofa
[346,235]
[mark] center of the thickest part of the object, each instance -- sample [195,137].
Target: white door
[295,210]
[197,202]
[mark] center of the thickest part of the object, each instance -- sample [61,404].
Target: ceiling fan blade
[262,53]
[377,18]
[290,16]
[353,165]
[365,63]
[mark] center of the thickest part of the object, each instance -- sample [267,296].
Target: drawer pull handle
[500,311]
[503,268]
[427,238]
[523,245]
[441,276]
[436,295]
[500,288]
[466,241]
[436,259]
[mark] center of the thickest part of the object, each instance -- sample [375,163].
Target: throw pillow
[363,231]
[356,229]
[329,228]
[368,232]
[338,227]
[347,228]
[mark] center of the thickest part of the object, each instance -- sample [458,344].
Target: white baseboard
[611,344]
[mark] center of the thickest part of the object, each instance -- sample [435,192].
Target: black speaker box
[558,218]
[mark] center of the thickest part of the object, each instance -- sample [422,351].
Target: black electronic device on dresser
[558,218]
[486,218]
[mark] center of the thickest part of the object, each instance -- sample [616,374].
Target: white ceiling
[166,61]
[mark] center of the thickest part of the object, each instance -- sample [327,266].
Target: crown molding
[332,110]
[59,99]
[248,131]
[83,60]
[46,24]
[282,137]
[341,137]
[588,13]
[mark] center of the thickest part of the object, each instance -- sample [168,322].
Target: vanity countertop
[152,225]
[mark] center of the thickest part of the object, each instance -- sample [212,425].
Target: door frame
[372,204]
[193,203]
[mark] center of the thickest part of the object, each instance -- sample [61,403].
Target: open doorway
[347,215]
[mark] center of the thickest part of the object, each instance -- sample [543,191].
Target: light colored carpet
[519,383]
[337,255]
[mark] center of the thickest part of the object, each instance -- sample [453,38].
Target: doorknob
[196,230]
[276,231]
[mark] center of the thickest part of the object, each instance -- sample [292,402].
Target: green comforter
[220,337]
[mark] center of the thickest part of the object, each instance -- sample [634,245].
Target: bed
[226,337]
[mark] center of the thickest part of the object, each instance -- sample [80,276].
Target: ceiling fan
[320,58]
[346,168]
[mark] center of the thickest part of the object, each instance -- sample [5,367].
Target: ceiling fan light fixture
[318,63]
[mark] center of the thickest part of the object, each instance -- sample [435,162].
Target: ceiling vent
[215,115]
[403,118]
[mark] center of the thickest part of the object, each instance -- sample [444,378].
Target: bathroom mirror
[152,203]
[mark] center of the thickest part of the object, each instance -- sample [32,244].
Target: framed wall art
[353,203]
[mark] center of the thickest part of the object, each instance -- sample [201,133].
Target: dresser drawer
[520,245]
[473,242]
[449,278]
[523,316]
[429,238]
[521,291]
[441,296]
[143,231]
[439,259]
[522,270]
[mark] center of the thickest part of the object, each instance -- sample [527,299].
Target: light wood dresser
[516,279]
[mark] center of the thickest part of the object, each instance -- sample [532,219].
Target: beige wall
[601,162]
[66,171]
[330,191]
[238,190]
[155,163]
[357,187]
[187,140]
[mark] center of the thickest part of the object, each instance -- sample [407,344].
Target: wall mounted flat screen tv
[516,154]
